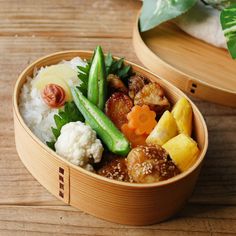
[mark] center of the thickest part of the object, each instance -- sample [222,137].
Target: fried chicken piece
[117,107]
[152,95]
[115,84]
[136,83]
[149,164]
[114,167]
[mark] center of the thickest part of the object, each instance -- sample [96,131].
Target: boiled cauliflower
[78,143]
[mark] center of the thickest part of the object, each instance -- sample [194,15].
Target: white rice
[36,114]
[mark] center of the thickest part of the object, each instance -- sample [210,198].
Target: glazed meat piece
[114,168]
[136,83]
[117,107]
[152,95]
[149,164]
[115,84]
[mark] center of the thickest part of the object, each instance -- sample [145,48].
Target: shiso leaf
[124,71]
[56,132]
[83,77]
[155,12]
[59,121]
[51,145]
[70,113]
[228,24]
[108,60]
[117,67]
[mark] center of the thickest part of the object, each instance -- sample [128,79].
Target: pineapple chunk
[183,151]
[60,74]
[165,129]
[182,113]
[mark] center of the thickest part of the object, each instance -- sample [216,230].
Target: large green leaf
[228,23]
[219,4]
[155,12]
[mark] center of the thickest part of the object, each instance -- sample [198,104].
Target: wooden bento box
[120,202]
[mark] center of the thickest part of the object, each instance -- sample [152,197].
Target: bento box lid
[194,66]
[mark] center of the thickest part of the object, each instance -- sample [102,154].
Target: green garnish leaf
[117,67]
[51,145]
[70,113]
[73,113]
[56,132]
[108,60]
[124,71]
[59,121]
[83,77]
[219,4]
[155,12]
[228,24]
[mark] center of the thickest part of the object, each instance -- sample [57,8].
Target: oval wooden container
[126,203]
[197,68]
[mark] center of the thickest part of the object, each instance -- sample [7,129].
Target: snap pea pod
[99,122]
[97,84]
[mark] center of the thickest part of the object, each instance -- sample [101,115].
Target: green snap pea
[99,122]
[97,83]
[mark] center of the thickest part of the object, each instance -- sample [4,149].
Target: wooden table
[31,29]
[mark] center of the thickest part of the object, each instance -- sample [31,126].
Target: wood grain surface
[30,29]
[198,68]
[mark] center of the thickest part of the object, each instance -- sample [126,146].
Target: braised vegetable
[133,138]
[115,84]
[97,83]
[142,119]
[117,107]
[106,130]
[152,95]
[136,83]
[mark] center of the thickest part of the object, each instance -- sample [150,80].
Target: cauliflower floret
[78,143]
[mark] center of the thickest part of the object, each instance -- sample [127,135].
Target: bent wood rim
[151,60]
[88,54]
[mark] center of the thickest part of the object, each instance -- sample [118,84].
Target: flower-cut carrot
[133,138]
[141,119]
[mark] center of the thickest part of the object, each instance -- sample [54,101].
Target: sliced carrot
[133,138]
[141,119]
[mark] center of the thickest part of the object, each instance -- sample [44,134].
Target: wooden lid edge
[186,83]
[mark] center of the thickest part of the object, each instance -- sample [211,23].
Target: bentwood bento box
[121,202]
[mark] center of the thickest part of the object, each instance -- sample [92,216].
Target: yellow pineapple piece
[183,151]
[182,113]
[60,74]
[165,129]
